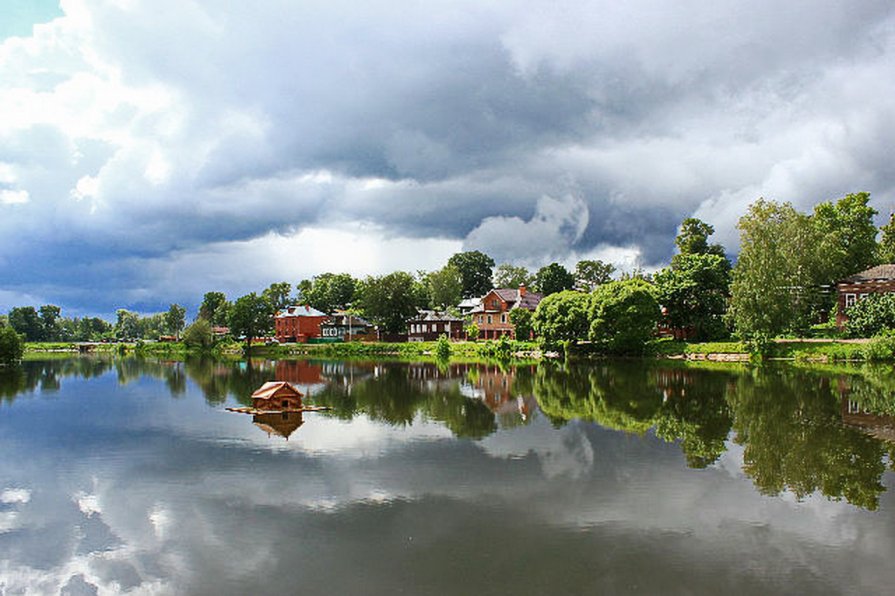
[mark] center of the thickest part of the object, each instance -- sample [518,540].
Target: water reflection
[802,430]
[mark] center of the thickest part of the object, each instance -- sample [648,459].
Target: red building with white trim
[298,324]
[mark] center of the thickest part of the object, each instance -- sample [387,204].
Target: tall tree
[553,278]
[389,300]
[214,308]
[512,276]
[775,282]
[24,320]
[591,273]
[127,324]
[475,270]
[328,291]
[445,287]
[695,290]
[175,319]
[692,238]
[886,249]
[562,316]
[251,316]
[49,322]
[278,295]
[847,236]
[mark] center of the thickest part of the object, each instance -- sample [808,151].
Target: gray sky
[151,151]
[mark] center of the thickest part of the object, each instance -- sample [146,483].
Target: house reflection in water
[281,424]
[879,426]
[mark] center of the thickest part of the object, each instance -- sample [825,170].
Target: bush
[443,348]
[623,316]
[881,347]
[11,346]
[871,315]
[199,335]
[562,317]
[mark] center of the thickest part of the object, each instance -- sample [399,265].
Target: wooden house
[879,279]
[277,396]
[493,315]
[429,325]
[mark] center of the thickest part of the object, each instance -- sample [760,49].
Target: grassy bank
[804,350]
[465,349]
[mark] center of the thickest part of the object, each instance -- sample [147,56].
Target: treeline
[783,283]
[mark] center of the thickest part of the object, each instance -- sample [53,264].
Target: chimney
[521,291]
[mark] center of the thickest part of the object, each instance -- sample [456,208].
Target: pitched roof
[434,315]
[529,301]
[300,311]
[880,272]
[269,389]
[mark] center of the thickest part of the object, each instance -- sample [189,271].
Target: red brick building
[493,315]
[879,279]
[298,324]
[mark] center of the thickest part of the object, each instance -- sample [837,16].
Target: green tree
[127,325]
[521,318]
[472,331]
[11,347]
[512,276]
[24,320]
[623,316]
[694,290]
[49,322]
[886,248]
[390,300]
[563,317]
[199,334]
[590,274]
[278,295]
[328,291]
[251,316]
[475,270]
[692,238]
[775,282]
[445,287]
[553,278]
[215,308]
[847,236]
[175,319]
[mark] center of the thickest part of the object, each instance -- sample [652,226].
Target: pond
[130,476]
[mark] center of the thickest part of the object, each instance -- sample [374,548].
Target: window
[503,318]
[489,319]
[849,300]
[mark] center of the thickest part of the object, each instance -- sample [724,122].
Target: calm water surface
[129,476]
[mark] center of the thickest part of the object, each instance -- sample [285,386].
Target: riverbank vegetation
[781,287]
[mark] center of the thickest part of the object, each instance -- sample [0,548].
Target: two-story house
[492,316]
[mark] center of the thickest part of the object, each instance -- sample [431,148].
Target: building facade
[876,280]
[298,324]
[492,316]
[430,325]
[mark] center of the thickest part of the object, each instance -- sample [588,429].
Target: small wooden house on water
[278,396]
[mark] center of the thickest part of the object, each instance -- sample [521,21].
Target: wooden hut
[277,396]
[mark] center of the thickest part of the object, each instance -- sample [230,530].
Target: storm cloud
[151,151]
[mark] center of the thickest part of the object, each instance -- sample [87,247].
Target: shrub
[871,315]
[562,317]
[881,347]
[623,316]
[443,348]
[11,346]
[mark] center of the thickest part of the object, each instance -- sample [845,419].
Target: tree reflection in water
[803,430]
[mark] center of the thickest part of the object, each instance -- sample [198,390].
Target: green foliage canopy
[871,315]
[251,316]
[512,276]
[389,300]
[563,316]
[694,290]
[11,346]
[553,278]
[591,273]
[623,316]
[444,287]
[475,270]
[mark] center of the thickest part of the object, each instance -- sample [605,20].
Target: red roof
[270,388]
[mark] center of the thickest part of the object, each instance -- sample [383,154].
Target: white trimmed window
[850,300]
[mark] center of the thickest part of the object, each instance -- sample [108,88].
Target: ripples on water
[627,477]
